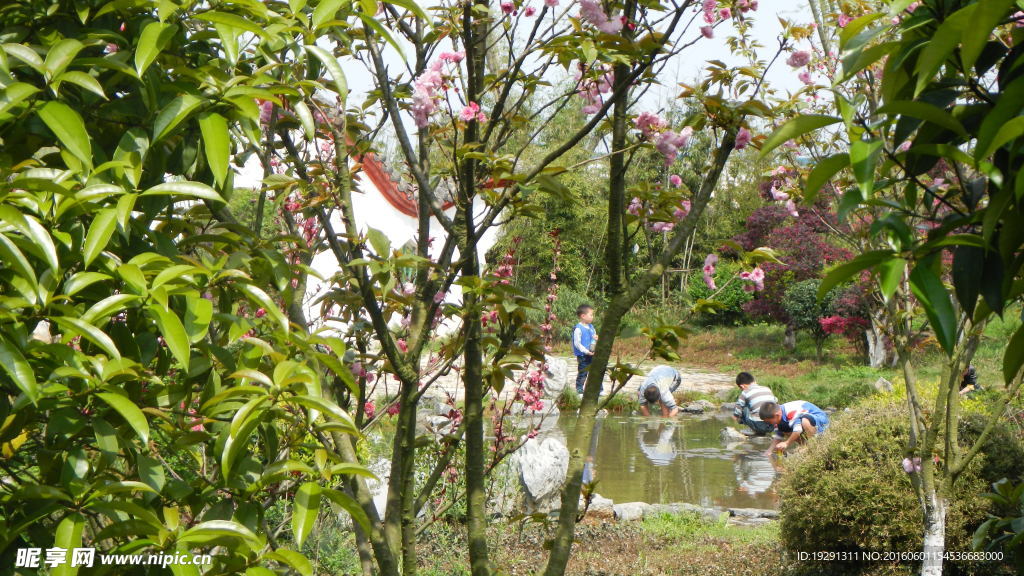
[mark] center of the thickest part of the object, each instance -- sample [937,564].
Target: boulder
[630,511]
[883,385]
[600,507]
[754,513]
[542,469]
[730,435]
[556,377]
[698,407]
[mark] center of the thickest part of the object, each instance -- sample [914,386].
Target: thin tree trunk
[934,534]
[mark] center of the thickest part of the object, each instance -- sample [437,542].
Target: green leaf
[795,128]
[306,119]
[198,314]
[1013,358]
[89,332]
[234,444]
[26,55]
[104,309]
[14,363]
[188,189]
[349,504]
[940,46]
[934,298]
[14,93]
[69,537]
[890,273]
[380,242]
[216,144]
[217,528]
[863,156]
[968,268]
[100,232]
[822,172]
[229,41]
[987,15]
[839,274]
[129,411]
[82,80]
[173,332]
[234,21]
[1009,131]
[305,511]
[297,561]
[325,11]
[264,301]
[326,407]
[173,114]
[67,125]
[60,55]
[411,6]
[12,257]
[83,280]
[152,41]
[337,74]
[927,112]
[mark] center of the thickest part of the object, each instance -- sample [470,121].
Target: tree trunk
[934,534]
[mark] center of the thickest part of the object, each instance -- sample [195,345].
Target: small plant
[1004,529]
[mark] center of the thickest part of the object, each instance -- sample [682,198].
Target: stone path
[693,380]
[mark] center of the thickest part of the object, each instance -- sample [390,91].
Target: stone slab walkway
[694,380]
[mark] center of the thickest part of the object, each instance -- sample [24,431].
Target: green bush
[732,297]
[805,311]
[847,491]
[1004,452]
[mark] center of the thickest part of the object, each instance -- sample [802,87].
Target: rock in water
[555,377]
[730,435]
[542,469]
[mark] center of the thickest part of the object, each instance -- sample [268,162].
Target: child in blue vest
[794,422]
[584,340]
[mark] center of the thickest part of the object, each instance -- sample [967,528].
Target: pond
[663,461]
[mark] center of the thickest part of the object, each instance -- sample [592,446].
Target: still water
[662,461]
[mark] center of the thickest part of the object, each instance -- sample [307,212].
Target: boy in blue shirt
[584,341]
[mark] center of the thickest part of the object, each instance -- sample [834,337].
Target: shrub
[847,491]
[805,311]
[1004,453]
[732,297]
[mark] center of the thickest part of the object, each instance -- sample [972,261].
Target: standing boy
[748,406]
[584,340]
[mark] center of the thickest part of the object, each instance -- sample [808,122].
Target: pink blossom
[742,138]
[402,345]
[369,409]
[843,20]
[791,207]
[904,146]
[799,58]
[682,211]
[111,48]
[508,7]
[453,57]
[266,108]
[530,11]
[661,226]
[724,13]
[260,313]
[675,180]
[709,5]
[1018,19]
[805,77]
[670,142]
[592,12]
[911,466]
[709,280]
[551,3]
[634,206]
[650,124]
[707,31]
[746,5]
[393,409]
[913,6]
[470,112]
[439,297]
[424,93]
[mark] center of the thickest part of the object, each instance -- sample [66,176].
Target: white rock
[883,385]
[630,511]
[730,434]
[556,378]
[542,470]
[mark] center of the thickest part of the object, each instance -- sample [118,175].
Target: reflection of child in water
[754,474]
[663,451]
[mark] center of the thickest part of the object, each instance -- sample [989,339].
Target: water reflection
[679,460]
